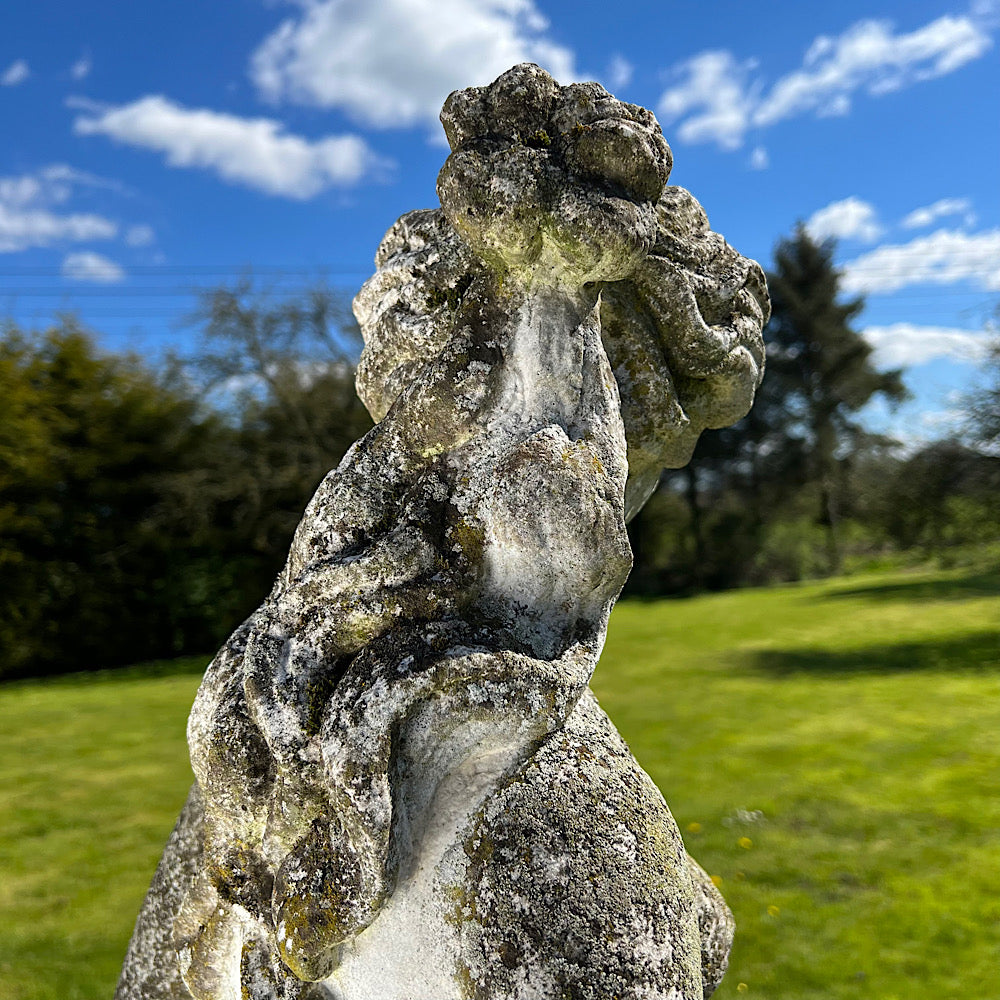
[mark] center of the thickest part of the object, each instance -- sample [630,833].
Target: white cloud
[140,236]
[81,68]
[943,419]
[619,73]
[255,152]
[30,214]
[921,217]
[849,219]
[17,72]
[394,62]
[869,56]
[20,230]
[759,160]
[836,107]
[718,100]
[942,258]
[904,344]
[89,266]
[54,184]
[715,98]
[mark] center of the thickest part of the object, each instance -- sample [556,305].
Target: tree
[94,566]
[820,371]
[144,512]
[282,372]
[940,496]
[983,402]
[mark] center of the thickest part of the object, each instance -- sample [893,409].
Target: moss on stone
[470,537]
[450,296]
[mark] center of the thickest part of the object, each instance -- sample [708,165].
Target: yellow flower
[694,827]
[742,988]
[773,911]
[745,842]
[716,880]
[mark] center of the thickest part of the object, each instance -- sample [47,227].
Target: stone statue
[404,787]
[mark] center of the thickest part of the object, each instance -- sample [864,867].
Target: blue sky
[153,148]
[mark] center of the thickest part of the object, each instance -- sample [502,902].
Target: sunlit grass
[830,751]
[94,772]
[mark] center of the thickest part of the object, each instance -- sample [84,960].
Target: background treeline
[801,488]
[145,511]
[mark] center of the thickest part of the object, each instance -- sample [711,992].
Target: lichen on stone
[404,787]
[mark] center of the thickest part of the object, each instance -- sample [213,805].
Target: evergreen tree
[96,567]
[819,370]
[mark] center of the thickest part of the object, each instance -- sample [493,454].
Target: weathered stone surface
[404,788]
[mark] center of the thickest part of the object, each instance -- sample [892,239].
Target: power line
[111,293]
[354,267]
[248,270]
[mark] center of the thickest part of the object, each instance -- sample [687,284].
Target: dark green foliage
[983,402]
[946,494]
[143,514]
[92,555]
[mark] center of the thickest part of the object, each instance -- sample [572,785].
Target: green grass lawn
[831,751]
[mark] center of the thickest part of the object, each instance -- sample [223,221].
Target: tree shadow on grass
[977,652]
[953,588]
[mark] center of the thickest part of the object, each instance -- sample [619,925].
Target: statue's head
[566,186]
[552,184]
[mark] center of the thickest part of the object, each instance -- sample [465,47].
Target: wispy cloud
[255,152]
[394,62]
[57,182]
[32,212]
[759,160]
[719,98]
[140,236]
[849,219]
[86,265]
[17,72]
[80,70]
[619,72]
[714,99]
[870,57]
[944,257]
[921,217]
[906,344]
[20,230]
